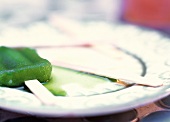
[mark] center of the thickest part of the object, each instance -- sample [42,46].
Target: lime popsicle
[20,64]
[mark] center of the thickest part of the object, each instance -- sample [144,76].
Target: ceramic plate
[139,51]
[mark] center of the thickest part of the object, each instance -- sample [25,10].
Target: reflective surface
[165,102]
[130,115]
[159,116]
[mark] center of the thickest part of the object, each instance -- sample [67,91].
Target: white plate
[150,47]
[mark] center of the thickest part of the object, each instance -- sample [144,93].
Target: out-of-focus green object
[20,64]
[66,80]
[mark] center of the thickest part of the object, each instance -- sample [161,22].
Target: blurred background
[154,14]
[25,11]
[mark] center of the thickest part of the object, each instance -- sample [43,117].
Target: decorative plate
[126,48]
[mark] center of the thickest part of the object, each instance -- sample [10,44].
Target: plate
[143,52]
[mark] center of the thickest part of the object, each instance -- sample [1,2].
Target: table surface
[142,112]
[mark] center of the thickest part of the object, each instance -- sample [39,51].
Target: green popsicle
[20,64]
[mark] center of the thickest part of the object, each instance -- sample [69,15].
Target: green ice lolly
[20,64]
